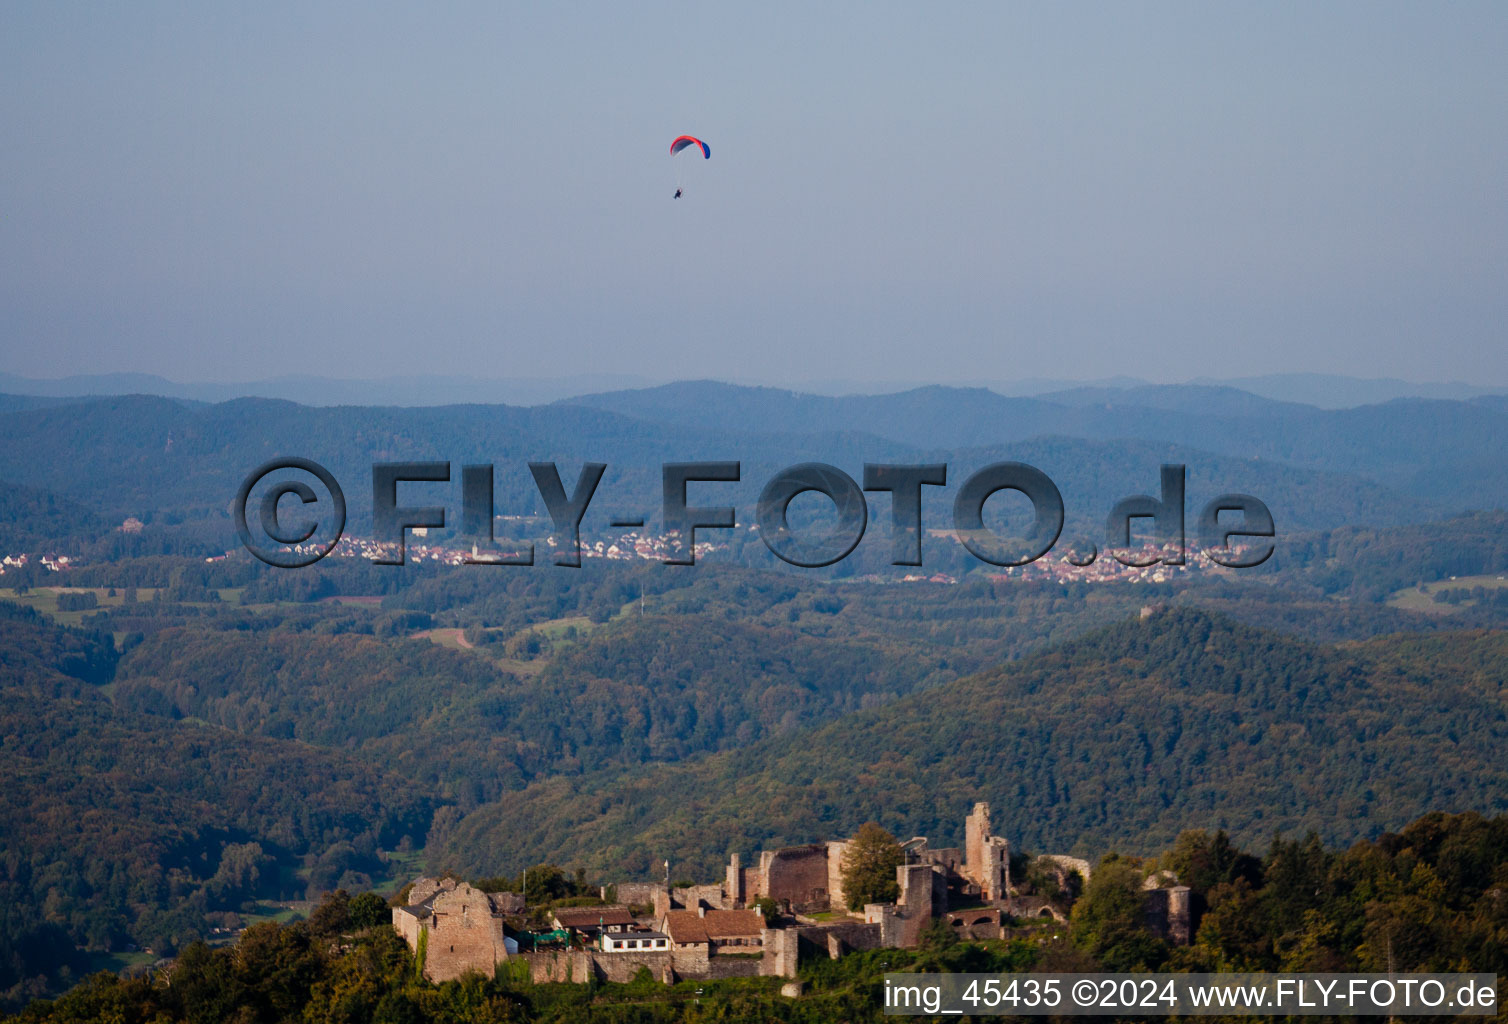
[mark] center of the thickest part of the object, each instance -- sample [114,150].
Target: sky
[897,192]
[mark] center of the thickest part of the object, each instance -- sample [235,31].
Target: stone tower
[987,857]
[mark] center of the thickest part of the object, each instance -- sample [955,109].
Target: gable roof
[592,917]
[685,926]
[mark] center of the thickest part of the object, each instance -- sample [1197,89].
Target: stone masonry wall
[781,952]
[798,874]
[733,967]
[407,926]
[847,935]
[463,935]
[691,896]
[1169,914]
[580,966]
[836,849]
[635,893]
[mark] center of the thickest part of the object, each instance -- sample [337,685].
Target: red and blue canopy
[686,140]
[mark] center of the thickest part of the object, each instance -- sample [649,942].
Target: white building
[622,942]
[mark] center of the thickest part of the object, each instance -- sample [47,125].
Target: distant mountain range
[1410,460]
[1324,391]
[1333,391]
[1449,451]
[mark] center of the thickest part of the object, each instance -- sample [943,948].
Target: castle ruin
[692,930]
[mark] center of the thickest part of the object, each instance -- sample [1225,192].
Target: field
[1422,598]
[45,600]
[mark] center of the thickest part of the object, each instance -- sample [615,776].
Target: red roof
[685,926]
[592,917]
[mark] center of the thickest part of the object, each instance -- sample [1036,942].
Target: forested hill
[1119,739]
[458,724]
[120,827]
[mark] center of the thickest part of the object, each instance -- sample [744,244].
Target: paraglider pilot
[686,142]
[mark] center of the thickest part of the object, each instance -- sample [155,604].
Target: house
[588,923]
[729,931]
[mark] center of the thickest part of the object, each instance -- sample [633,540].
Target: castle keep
[460,928]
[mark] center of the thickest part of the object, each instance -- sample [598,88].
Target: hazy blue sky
[896,191]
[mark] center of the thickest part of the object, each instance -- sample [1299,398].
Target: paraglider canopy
[686,140]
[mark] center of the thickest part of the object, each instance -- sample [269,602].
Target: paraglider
[680,145]
[683,141]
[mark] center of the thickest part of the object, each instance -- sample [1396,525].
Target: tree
[869,866]
[768,909]
[332,916]
[204,984]
[1109,923]
[938,935]
[368,910]
[1202,861]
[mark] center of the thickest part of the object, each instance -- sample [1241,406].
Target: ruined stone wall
[424,888]
[923,891]
[887,919]
[579,966]
[733,967]
[463,935]
[1032,908]
[798,874]
[1069,864]
[692,961]
[843,936]
[508,902]
[1169,914]
[621,967]
[976,828]
[976,924]
[998,869]
[634,893]
[407,926]
[751,884]
[559,965]
[781,952]
[987,857]
[691,896]
[451,952]
[733,881]
[924,895]
[949,858]
[909,929]
[835,851]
